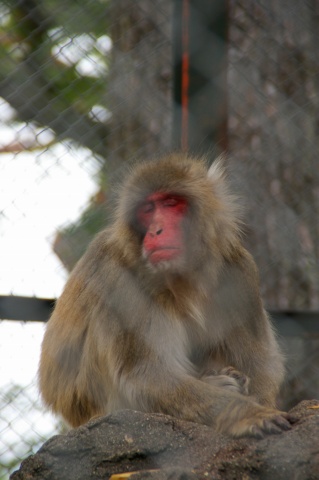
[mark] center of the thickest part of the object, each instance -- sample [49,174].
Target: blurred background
[85,87]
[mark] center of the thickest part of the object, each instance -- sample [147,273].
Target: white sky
[37,195]
[39,192]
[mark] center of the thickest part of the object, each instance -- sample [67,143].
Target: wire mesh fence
[85,87]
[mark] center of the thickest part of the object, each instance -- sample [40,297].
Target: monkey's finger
[292,418]
[270,427]
[282,422]
[255,432]
[228,370]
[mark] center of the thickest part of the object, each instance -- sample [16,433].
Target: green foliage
[81,16]
[54,64]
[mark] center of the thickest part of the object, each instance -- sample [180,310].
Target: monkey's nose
[155,230]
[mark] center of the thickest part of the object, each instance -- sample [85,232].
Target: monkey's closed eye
[175,202]
[171,202]
[147,207]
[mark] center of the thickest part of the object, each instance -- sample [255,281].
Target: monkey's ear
[217,170]
[232,212]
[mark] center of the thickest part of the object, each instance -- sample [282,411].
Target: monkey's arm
[71,381]
[245,332]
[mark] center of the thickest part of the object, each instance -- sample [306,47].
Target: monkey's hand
[229,378]
[241,418]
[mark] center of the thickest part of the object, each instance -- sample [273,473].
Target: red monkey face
[161,216]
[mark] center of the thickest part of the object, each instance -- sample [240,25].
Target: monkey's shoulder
[103,269]
[236,296]
[102,250]
[114,245]
[239,260]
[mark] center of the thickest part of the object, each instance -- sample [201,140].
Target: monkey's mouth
[163,254]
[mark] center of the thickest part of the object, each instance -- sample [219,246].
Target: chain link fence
[87,86]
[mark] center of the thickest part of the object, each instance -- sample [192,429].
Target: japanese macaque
[163,312]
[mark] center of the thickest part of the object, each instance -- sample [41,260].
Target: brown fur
[189,338]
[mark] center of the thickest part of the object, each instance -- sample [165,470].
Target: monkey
[163,312]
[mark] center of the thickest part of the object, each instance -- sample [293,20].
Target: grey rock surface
[160,447]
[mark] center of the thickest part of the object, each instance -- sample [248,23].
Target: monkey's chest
[205,349]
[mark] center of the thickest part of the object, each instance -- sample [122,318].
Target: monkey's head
[177,212]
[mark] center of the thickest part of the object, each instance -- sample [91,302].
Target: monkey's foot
[252,420]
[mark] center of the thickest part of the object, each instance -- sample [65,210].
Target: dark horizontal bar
[294,323]
[13,307]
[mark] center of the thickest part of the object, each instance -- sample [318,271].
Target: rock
[160,447]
